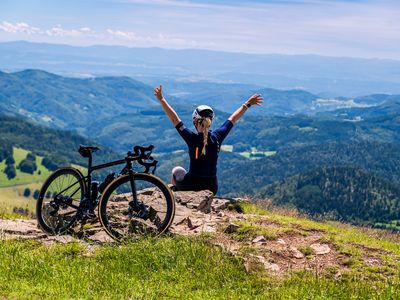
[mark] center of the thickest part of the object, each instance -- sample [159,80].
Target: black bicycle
[131,203]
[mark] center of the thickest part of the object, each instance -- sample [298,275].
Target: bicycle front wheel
[132,207]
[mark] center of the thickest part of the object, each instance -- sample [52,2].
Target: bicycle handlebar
[143,150]
[144,153]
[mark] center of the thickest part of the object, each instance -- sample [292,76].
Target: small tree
[10,160]
[36,194]
[27,192]
[31,157]
[10,172]
[49,164]
[28,166]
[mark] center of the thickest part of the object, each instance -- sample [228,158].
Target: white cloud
[19,28]
[61,32]
[114,35]
[58,31]
[151,40]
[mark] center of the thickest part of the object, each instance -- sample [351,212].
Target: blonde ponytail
[206,123]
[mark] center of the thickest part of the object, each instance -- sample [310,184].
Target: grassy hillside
[60,146]
[12,200]
[363,265]
[13,203]
[23,178]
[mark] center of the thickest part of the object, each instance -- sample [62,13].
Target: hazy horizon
[357,28]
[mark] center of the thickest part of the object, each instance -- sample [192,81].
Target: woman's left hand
[255,99]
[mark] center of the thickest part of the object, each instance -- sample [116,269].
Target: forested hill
[382,159]
[57,145]
[70,102]
[345,193]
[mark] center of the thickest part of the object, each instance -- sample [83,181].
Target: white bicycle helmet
[203,111]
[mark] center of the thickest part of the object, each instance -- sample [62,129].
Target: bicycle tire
[115,215]
[48,214]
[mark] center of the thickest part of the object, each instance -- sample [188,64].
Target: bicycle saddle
[86,151]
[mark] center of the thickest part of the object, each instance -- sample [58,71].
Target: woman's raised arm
[255,99]
[172,115]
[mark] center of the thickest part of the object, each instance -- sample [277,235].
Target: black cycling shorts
[197,183]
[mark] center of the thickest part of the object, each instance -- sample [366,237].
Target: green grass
[249,154]
[149,269]
[172,268]
[306,250]
[228,148]
[335,232]
[248,230]
[11,197]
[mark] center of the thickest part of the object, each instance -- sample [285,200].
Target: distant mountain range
[326,76]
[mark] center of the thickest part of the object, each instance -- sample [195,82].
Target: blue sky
[363,28]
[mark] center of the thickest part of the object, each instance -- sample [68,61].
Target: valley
[286,138]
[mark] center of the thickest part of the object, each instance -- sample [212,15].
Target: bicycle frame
[139,155]
[91,169]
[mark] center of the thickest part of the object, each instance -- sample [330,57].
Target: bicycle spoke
[125,217]
[60,200]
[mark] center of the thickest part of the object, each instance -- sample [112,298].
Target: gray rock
[271,267]
[200,200]
[259,239]
[101,237]
[296,253]
[220,214]
[219,204]
[281,242]
[261,261]
[190,224]
[320,249]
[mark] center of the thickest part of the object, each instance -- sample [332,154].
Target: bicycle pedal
[89,215]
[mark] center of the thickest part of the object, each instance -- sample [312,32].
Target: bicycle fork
[141,210]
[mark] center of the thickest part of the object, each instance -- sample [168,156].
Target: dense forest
[344,193]
[380,158]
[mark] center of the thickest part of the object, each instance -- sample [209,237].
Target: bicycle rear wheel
[123,218]
[59,199]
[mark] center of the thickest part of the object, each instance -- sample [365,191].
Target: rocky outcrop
[196,212]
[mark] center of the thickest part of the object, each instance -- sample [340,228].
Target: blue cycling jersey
[204,165]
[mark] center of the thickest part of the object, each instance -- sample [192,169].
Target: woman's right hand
[158,93]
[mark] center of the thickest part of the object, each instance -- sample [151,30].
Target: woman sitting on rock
[204,145]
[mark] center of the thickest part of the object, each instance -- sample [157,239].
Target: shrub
[49,164]
[28,166]
[10,160]
[10,172]
[31,157]
[36,194]
[27,192]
